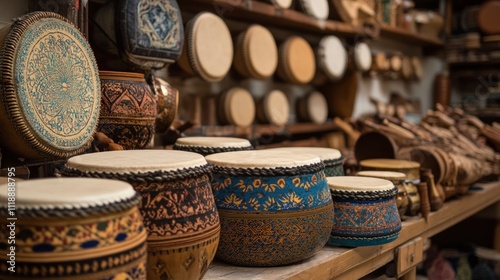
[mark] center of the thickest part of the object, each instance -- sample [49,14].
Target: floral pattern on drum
[58,84]
[271,194]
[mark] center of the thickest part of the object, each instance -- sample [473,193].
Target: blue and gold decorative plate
[50,87]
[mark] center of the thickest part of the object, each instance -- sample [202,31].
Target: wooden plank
[408,37]
[343,263]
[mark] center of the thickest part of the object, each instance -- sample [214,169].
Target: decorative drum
[236,106]
[167,98]
[332,57]
[149,34]
[128,109]
[331,158]
[274,206]
[412,171]
[313,108]
[212,145]
[49,106]
[365,211]
[177,205]
[273,108]
[70,228]
[208,51]
[398,179]
[362,57]
[256,53]
[296,61]
[317,9]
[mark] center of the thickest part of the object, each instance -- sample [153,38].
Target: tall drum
[365,211]
[275,206]
[331,158]
[206,145]
[68,228]
[177,205]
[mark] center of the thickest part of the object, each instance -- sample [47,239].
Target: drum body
[398,179]
[274,206]
[92,229]
[212,145]
[412,171]
[128,109]
[365,211]
[331,158]
[177,205]
[49,106]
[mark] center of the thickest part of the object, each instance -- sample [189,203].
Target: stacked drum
[177,205]
[212,145]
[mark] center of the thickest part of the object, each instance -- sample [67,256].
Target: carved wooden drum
[275,207]
[49,106]
[212,145]
[365,211]
[331,158]
[73,228]
[177,205]
[412,171]
[398,179]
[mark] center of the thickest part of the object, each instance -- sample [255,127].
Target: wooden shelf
[343,263]
[266,14]
[408,37]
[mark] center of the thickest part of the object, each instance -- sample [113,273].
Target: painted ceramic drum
[274,206]
[73,228]
[128,109]
[206,145]
[256,53]
[149,34]
[177,205]
[208,51]
[49,106]
[398,179]
[273,108]
[365,211]
[331,158]
[412,171]
[296,62]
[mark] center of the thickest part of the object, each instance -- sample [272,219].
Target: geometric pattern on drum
[270,193]
[129,264]
[130,136]
[332,171]
[271,239]
[34,236]
[177,207]
[57,84]
[152,28]
[189,261]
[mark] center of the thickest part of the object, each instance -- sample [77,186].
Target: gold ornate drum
[296,63]
[412,171]
[398,179]
[273,108]
[236,107]
[167,103]
[332,57]
[208,50]
[331,158]
[68,228]
[256,53]
[206,145]
[313,108]
[275,207]
[177,205]
[49,106]
[128,109]
[365,211]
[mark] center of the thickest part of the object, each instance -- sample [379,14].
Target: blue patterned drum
[365,211]
[50,87]
[206,145]
[67,228]
[331,158]
[274,206]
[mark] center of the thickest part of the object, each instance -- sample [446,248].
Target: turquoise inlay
[271,194]
[58,84]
